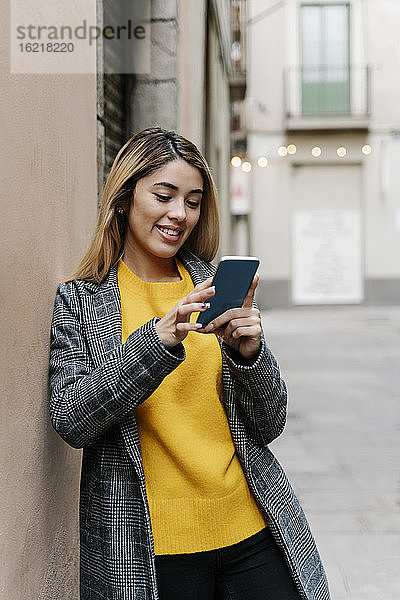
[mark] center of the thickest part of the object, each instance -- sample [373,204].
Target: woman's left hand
[240,328]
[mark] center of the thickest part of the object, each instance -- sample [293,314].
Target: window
[325,70]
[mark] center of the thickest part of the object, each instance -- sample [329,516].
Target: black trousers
[253,569]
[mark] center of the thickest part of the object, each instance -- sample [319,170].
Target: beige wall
[48,205]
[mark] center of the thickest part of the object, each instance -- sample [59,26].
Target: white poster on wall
[327,265]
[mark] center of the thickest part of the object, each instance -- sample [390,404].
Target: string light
[316,151]
[262,161]
[236,161]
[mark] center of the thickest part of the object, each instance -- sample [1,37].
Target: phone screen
[232,280]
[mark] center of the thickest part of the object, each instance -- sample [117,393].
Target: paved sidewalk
[341,445]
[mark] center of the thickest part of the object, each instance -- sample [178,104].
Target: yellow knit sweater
[198,495]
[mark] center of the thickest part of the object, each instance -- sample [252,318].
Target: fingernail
[198,325]
[209,327]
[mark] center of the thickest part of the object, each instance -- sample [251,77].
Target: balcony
[327,98]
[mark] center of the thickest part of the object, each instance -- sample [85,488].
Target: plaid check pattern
[96,382]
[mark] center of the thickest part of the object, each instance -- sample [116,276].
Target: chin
[166,252]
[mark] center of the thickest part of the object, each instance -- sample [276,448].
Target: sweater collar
[198,269]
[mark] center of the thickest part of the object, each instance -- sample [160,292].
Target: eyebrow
[174,187]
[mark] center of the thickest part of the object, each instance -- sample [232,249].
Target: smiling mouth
[169,234]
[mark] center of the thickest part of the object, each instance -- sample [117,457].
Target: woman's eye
[161,197]
[193,204]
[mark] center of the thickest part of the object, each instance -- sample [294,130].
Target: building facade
[323,143]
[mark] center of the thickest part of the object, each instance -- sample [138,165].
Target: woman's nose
[177,210]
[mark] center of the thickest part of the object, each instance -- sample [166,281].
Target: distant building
[323,121]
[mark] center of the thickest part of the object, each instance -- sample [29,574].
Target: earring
[120,211]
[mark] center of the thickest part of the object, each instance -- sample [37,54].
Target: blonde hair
[143,154]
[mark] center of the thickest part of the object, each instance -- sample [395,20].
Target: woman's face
[164,209]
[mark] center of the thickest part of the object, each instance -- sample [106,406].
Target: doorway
[326,235]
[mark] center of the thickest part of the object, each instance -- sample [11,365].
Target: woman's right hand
[175,325]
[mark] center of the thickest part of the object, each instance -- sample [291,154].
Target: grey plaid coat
[95,384]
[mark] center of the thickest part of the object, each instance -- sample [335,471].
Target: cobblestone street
[341,446]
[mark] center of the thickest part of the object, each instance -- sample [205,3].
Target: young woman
[181,498]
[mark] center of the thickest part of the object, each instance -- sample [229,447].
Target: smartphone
[232,281]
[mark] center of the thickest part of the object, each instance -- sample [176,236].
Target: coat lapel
[103,328]
[102,304]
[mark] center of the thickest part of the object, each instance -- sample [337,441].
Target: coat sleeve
[86,401]
[261,391]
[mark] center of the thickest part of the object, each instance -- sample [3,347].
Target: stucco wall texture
[48,213]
